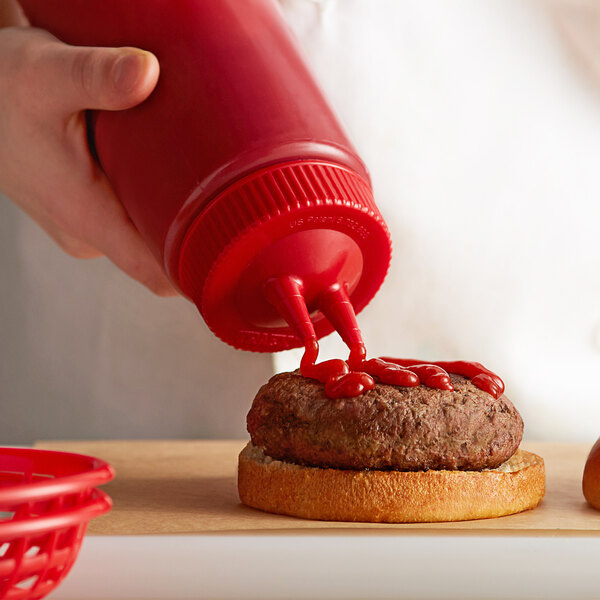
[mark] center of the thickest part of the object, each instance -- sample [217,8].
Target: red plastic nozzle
[276,251]
[336,306]
[286,295]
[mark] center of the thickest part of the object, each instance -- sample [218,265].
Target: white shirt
[482,136]
[483,142]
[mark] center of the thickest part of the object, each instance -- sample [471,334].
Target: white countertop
[341,565]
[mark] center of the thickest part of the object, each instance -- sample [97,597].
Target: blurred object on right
[579,23]
[591,477]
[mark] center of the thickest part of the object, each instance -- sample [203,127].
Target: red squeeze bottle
[235,170]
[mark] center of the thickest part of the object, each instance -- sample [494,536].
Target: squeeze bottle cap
[311,220]
[235,170]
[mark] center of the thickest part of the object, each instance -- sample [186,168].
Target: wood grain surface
[189,487]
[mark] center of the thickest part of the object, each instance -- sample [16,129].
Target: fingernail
[128,70]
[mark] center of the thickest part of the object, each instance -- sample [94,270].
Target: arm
[45,164]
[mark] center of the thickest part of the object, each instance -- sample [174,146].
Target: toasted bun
[389,496]
[591,477]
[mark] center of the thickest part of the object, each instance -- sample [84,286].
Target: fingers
[125,248]
[102,228]
[133,257]
[130,254]
[69,244]
[73,78]
[104,224]
[45,164]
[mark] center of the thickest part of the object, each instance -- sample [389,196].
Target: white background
[482,134]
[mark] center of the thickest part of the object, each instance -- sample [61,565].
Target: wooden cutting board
[189,487]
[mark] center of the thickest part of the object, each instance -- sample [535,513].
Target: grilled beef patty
[388,427]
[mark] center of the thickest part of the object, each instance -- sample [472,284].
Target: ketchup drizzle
[481,377]
[339,381]
[352,378]
[346,379]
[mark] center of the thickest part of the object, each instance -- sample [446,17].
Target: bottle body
[234,98]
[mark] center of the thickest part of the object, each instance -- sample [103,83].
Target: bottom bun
[389,496]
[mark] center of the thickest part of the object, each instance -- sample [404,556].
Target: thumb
[77,78]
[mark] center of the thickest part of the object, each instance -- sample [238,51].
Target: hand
[45,164]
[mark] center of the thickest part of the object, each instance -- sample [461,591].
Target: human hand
[45,163]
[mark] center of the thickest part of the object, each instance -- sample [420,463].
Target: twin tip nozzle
[286,294]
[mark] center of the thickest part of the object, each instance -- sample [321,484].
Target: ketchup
[339,380]
[346,379]
[481,377]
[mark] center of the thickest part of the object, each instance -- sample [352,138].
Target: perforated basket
[46,501]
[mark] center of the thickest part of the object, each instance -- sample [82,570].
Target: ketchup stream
[355,376]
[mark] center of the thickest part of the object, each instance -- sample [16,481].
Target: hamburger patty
[389,427]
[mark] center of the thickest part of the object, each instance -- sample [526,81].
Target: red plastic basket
[46,501]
